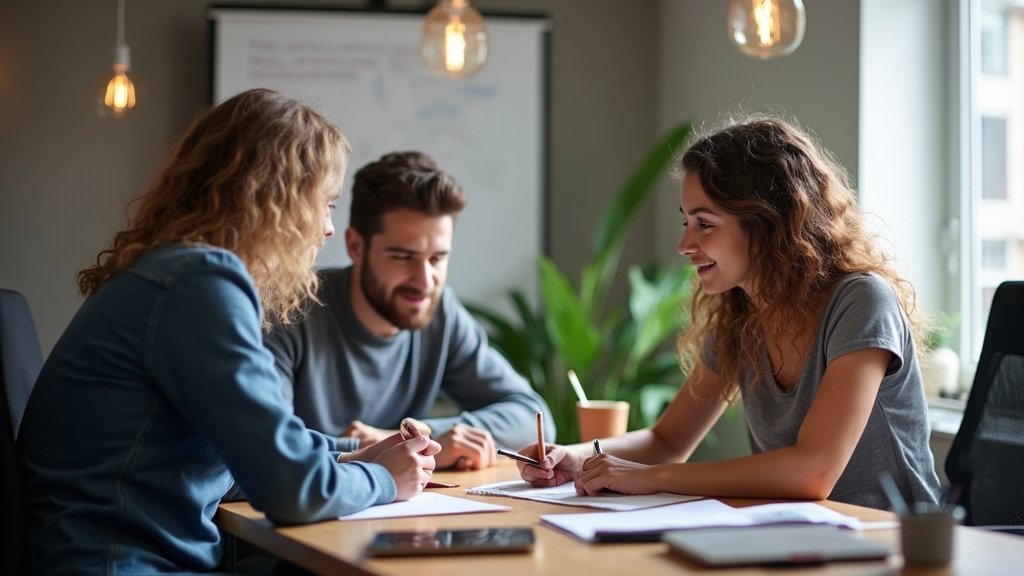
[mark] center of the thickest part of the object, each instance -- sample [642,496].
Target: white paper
[566,494]
[426,504]
[699,514]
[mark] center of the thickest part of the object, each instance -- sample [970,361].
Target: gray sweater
[863,312]
[335,371]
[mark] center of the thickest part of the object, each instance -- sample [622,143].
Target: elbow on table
[817,482]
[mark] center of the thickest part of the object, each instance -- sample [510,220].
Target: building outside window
[992,207]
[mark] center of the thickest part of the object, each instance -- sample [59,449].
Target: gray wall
[703,78]
[622,71]
[66,174]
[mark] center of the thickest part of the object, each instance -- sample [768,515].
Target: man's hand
[366,434]
[466,448]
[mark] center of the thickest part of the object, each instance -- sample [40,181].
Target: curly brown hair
[805,231]
[253,175]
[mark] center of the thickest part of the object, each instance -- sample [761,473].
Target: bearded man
[390,337]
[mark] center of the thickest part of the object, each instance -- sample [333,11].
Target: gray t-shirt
[863,312]
[335,371]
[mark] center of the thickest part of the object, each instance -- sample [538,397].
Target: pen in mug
[540,435]
[597,447]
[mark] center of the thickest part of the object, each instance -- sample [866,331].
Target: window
[993,157]
[993,40]
[992,204]
[993,255]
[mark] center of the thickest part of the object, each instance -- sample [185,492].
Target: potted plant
[940,364]
[620,351]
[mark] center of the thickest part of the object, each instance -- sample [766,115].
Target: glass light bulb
[766,28]
[120,94]
[454,41]
[117,96]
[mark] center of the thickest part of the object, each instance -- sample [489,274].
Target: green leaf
[572,334]
[614,222]
[657,307]
[653,400]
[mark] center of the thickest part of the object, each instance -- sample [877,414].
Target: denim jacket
[158,395]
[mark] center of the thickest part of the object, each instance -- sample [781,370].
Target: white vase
[940,370]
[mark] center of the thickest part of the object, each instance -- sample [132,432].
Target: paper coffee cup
[602,418]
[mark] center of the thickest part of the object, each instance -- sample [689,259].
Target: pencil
[540,435]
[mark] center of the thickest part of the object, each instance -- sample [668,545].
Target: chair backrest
[20,362]
[985,463]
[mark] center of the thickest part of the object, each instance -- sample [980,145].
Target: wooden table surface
[338,547]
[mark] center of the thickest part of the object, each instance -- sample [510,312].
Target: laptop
[777,544]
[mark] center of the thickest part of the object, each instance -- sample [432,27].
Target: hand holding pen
[411,428]
[535,462]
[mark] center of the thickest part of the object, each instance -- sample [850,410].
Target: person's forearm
[782,473]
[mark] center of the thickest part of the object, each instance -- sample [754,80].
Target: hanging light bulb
[454,41]
[119,95]
[766,28]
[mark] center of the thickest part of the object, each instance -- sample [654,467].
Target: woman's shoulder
[196,271]
[173,260]
[864,289]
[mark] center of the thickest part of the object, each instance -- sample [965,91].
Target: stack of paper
[647,525]
[425,504]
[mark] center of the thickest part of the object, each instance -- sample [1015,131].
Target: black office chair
[985,464]
[20,362]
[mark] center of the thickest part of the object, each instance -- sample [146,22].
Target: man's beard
[388,308]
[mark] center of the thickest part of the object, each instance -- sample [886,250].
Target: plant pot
[940,370]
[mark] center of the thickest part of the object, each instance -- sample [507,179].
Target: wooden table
[336,547]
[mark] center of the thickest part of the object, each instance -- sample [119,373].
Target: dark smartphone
[460,541]
[517,456]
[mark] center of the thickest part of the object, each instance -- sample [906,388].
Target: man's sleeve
[285,344]
[489,392]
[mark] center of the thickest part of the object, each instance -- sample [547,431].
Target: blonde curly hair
[253,175]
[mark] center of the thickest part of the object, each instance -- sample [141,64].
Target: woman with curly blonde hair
[160,393]
[797,312]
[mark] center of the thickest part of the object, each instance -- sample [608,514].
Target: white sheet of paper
[699,514]
[426,504]
[566,494]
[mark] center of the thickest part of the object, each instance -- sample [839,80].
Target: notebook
[779,544]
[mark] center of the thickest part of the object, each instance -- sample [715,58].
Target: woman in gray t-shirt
[799,314]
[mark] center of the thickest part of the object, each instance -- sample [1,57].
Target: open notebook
[777,544]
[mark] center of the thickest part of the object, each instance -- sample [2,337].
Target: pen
[540,435]
[408,429]
[520,457]
[597,447]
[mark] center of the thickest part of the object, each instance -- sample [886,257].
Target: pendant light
[766,28]
[118,97]
[454,41]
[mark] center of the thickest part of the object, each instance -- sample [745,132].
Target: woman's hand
[558,466]
[410,462]
[606,472]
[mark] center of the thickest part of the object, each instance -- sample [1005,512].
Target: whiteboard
[362,70]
